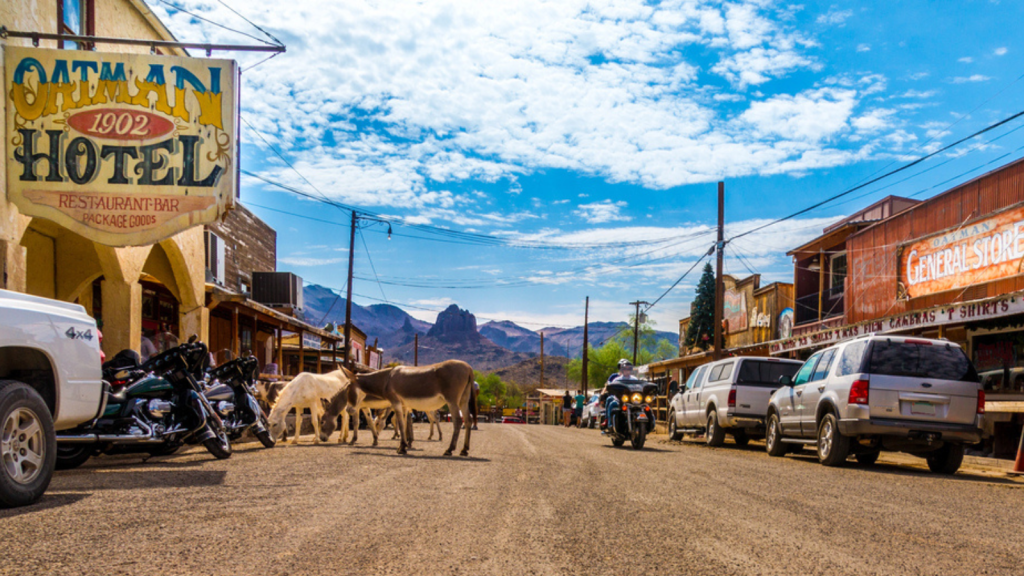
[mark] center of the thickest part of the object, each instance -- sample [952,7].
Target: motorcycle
[153,408]
[630,416]
[232,393]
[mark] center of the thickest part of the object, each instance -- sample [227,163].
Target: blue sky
[572,124]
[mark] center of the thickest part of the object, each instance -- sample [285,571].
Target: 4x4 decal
[78,334]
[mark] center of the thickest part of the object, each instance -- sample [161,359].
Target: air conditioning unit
[277,289]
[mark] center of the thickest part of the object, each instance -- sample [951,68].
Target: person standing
[581,400]
[566,408]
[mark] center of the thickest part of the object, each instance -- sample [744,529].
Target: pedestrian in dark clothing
[567,408]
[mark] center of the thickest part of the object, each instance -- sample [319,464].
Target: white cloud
[971,78]
[601,212]
[965,60]
[1000,51]
[303,261]
[378,102]
[874,121]
[808,117]
[863,47]
[835,17]
[917,94]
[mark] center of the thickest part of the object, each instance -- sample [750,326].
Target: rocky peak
[454,323]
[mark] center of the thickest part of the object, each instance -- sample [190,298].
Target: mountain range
[455,334]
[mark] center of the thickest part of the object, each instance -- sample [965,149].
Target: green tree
[492,389]
[702,316]
[604,360]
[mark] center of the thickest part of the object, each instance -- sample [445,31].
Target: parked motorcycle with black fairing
[232,393]
[153,408]
[628,411]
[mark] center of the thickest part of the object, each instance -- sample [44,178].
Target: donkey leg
[457,419]
[373,425]
[466,399]
[298,424]
[315,414]
[343,431]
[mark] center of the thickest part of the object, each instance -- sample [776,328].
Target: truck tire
[833,447]
[773,438]
[946,460]
[714,435]
[28,445]
[71,456]
[740,437]
[673,432]
[867,458]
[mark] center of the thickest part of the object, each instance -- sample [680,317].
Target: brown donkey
[365,393]
[428,388]
[424,388]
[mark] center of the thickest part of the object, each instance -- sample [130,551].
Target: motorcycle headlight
[649,399]
[637,398]
[625,398]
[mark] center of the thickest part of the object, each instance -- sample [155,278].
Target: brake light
[859,392]
[981,401]
[918,342]
[732,398]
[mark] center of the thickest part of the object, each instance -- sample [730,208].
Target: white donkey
[307,390]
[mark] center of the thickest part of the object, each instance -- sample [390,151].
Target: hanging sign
[123,149]
[985,250]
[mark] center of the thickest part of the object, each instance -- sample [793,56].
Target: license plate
[924,408]
[642,417]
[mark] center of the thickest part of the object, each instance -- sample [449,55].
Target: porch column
[234,332]
[191,322]
[821,280]
[122,316]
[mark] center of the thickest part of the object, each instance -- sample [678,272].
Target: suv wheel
[28,444]
[673,432]
[833,447]
[946,460]
[715,434]
[773,439]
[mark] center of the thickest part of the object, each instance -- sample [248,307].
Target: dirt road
[531,500]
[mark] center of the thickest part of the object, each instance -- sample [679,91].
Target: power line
[207,20]
[911,164]
[680,279]
[372,267]
[251,23]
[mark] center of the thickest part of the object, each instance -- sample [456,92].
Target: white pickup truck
[50,379]
[727,397]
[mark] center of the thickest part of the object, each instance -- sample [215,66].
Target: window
[824,364]
[837,275]
[694,378]
[721,372]
[920,360]
[804,375]
[765,373]
[75,17]
[214,258]
[850,360]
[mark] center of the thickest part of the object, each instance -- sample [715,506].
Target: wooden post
[416,350]
[334,353]
[280,353]
[821,279]
[348,298]
[302,352]
[319,349]
[255,326]
[719,284]
[586,324]
[234,332]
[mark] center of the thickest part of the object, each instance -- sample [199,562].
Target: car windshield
[765,372]
[921,360]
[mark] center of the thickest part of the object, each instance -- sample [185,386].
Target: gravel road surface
[530,500]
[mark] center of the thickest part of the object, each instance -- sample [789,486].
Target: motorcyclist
[611,403]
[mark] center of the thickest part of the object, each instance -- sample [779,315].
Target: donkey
[306,390]
[433,417]
[363,394]
[428,388]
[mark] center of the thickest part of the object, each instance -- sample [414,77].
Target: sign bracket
[209,48]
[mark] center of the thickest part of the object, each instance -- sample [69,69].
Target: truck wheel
[28,445]
[740,437]
[71,456]
[673,432]
[773,439]
[833,447]
[946,460]
[714,435]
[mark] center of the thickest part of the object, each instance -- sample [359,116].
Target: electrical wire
[372,267]
[207,20]
[251,23]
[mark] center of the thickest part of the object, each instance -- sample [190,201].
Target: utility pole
[416,350]
[348,298]
[586,322]
[636,327]
[719,285]
[541,359]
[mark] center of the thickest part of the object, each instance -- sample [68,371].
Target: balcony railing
[832,304]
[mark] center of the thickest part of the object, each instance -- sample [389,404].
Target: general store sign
[985,250]
[124,149]
[947,314]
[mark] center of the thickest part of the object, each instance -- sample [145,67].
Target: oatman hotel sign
[123,149]
[986,249]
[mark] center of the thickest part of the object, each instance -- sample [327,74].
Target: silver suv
[880,393]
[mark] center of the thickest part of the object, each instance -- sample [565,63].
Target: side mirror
[786,380]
